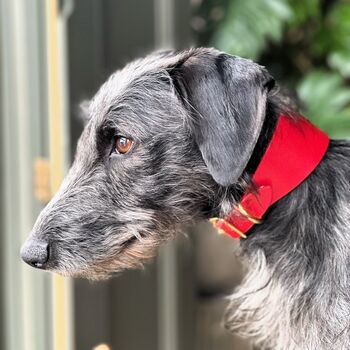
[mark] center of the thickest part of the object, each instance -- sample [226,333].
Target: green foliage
[327,102]
[263,20]
[303,10]
[338,39]
[305,43]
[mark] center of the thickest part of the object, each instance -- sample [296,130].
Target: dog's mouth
[100,269]
[128,243]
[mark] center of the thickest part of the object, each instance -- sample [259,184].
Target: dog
[175,138]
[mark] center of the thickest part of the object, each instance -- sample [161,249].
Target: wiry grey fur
[201,120]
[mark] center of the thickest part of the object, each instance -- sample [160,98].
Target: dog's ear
[226,96]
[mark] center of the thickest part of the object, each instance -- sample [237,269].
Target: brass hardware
[233,228]
[251,218]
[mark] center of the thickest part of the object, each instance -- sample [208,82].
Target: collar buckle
[225,227]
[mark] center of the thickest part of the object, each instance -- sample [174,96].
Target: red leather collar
[296,148]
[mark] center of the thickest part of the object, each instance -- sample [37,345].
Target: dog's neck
[295,293]
[293,152]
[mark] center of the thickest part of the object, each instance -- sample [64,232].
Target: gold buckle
[233,228]
[251,218]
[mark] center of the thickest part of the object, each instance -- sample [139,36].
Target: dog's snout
[35,252]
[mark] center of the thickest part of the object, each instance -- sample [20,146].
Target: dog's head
[164,136]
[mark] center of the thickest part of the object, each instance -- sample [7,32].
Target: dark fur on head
[201,120]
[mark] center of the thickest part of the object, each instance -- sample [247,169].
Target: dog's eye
[123,144]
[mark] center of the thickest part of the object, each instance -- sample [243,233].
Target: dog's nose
[35,252]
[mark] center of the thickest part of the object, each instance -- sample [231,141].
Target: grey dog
[174,138]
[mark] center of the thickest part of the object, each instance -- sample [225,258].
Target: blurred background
[54,54]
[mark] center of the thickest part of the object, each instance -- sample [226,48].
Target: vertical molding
[11,269]
[24,156]
[61,287]
[67,8]
[164,24]
[167,268]
[25,325]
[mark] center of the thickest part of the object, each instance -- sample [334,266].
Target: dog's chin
[132,254]
[92,272]
[88,274]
